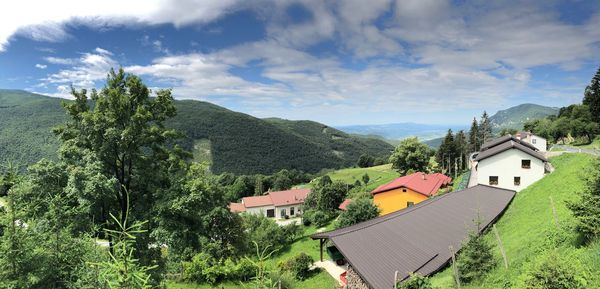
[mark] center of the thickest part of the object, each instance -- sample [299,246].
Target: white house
[509,163]
[279,205]
[537,141]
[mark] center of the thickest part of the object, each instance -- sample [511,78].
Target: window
[291,211]
[517,181]
[493,180]
[533,141]
[404,190]
[282,213]
[526,164]
[410,204]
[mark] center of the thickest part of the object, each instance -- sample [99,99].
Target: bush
[197,269]
[286,279]
[585,209]
[553,271]
[415,281]
[307,217]
[292,232]
[264,231]
[298,266]
[244,270]
[475,259]
[320,219]
[358,211]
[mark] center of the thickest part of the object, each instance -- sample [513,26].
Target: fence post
[501,246]
[396,280]
[455,269]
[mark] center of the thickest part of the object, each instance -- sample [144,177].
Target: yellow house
[408,190]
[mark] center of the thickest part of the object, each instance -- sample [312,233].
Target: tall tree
[474,142]
[411,156]
[462,149]
[446,153]
[485,128]
[592,97]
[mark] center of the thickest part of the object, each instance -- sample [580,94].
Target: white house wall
[538,142]
[287,210]
[507,165]
[260,210]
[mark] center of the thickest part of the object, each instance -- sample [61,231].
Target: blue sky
[337,62]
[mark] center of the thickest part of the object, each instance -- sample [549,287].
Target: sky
[336,62]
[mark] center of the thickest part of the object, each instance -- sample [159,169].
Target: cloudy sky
[338,62]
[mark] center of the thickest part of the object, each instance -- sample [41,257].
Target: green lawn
[527,222]
[378,175]
[304,244]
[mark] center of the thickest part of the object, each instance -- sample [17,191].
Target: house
[408,190]
[537,141]
[416,239]
[510,163]
[280,204]
[344,205]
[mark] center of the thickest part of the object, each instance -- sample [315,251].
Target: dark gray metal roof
[506,146]
[503,139]
[417,238]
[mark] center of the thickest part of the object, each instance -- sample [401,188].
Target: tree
[447,152]
[259,187]
[359,210]
[475,258]
[410,156]
[415,281]
[474,142]
[365,178]
[365,161]
[586,209]
[462,149]
[282,181]
[592,97]
[560,129]
[485,128]
[329,197]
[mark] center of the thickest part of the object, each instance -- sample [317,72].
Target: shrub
[358,211]
[320,218]
[550,270]
[264,231]
[586,209]
[197,268]
[298,266]
[245,270]
[415,281]
[286,279]
[292,232]
[307,217]
[475,259]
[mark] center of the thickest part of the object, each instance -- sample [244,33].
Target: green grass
[378,175]
[594,145]
[304,244]
[525,225]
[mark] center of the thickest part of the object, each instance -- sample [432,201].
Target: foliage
[592,97]
[292,232]
[410,156]
[475,259]
[366,179]
[330,196]
[298,265]
[586,209]
[320,218]
[550,270]
[264,231]
[415,281]
[357,211]
[365,161]
[485,128]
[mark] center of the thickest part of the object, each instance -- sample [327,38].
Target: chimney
[424,176]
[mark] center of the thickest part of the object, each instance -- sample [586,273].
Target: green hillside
[516,116]
[231,141]
[378,175]
[528,223]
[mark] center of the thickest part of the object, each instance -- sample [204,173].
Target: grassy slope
[524,226]
[304,244]
[594,145]
[378,175]
[237,142]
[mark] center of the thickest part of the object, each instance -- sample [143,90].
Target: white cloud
[62,61]
[41,66]
[46,22]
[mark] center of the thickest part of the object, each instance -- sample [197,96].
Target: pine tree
[474,142]
[485,128]
[592,97]
[475,259]
[461,146]
[446,153]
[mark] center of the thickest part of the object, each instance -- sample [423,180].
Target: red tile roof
[345,204]
[279,198]
[289,197]
[425,184]
[237,207]
[257,201]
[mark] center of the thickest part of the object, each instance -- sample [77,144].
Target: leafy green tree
[506,131]
[298,265]
[264,231]
[586,209]
[560,129]
[365,161]
[366,178]
[282,181]
[358,211]
[474,142]
[329,197]
[259,187]
[485,128]
[410,156]
[592,97]
[475,259]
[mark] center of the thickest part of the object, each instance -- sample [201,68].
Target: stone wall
[354,280]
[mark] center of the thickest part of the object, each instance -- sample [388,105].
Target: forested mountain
[234,142]
[516,116]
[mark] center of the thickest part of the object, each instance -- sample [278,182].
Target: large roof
[419,182]
[503,139]
[417,239]
[237,207]
[257,201]
[506,146]
[289,197]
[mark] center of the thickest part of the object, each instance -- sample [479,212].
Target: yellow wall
[396,199]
